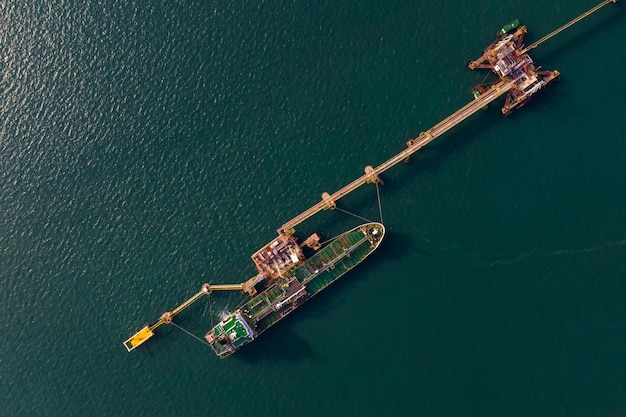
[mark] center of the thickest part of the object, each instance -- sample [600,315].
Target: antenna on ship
[380,207]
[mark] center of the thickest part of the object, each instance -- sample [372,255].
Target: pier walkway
[414,145]
[565,26]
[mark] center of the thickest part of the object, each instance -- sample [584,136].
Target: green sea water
[147,147]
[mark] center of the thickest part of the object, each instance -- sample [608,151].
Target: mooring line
[204,342]
[380,206]
[211,311]
[352,214]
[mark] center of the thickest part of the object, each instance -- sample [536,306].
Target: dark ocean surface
[149,146]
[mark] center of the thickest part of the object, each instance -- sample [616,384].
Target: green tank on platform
[508,27]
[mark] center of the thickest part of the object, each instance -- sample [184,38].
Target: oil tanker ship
[291,282]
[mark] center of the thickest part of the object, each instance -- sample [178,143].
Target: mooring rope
[486,75]
[211,311]
[380,206]
[204,342]
[352,214]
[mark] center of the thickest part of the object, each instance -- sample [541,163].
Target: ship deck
[315,274]
[333,261]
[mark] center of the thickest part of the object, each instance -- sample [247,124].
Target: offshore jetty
[289,273]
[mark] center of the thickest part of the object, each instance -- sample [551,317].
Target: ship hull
[291,290]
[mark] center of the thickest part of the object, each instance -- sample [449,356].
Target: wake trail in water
[561,252]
